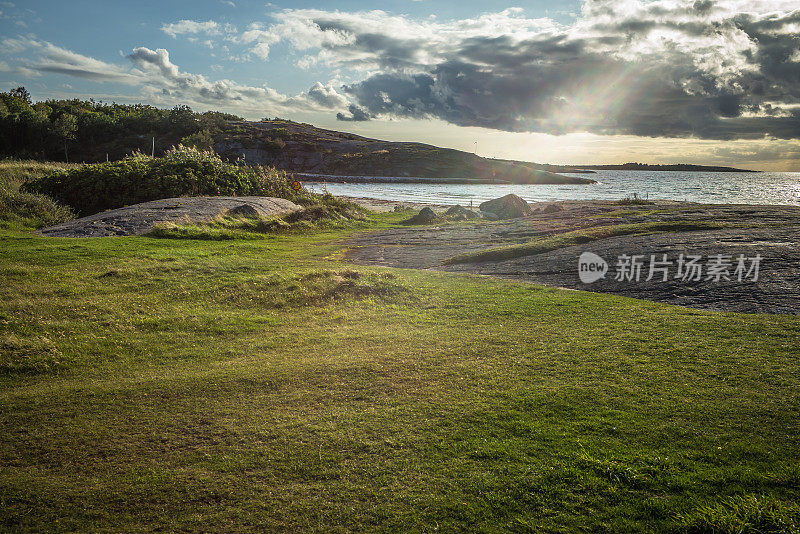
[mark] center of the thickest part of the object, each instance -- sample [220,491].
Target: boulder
[507,207]
[425,216]
[552,208]
[460,213]
[142,218]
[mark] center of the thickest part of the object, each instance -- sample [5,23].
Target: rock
[552,208]
[425,216]
[489,216]
[460,213]
[507,207]
[141,218]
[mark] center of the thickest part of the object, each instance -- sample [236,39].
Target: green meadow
[184,383]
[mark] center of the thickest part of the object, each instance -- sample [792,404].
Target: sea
[704,187]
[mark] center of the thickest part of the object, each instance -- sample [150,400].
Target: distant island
[686,167]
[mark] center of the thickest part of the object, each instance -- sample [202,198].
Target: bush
[28,209]
[181,172]
[278,133]
[274,145]
[202,140]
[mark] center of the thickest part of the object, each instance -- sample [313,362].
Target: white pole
[153,153]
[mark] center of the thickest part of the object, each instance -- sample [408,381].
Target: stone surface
[425,216]
[141,218]
[507,207]
[770,231]
[552,208]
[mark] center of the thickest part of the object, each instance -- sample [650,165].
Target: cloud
[183,27]
[356,115]
[49,58]
[326,96]
[707,69]
[658,68]
[163,82]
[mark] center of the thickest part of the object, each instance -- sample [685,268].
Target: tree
[201,140]
[22,94]
[182,121]
[64,128]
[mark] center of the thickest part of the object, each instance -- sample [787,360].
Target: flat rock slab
[770,231]
[141,218]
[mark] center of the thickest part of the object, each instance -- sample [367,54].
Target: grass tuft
[318,288]
[746,514]
[29,356]
[577,237]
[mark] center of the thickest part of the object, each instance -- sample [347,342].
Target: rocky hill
[303,148]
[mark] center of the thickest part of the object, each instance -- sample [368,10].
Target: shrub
[29,209]
[181,172]
[202,140]
[274,145]
[634,200]
[278,133]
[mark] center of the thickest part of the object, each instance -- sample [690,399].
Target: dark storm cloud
[700,69]
[356,115]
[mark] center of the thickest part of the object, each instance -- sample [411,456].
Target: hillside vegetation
[89,131]
[304,148]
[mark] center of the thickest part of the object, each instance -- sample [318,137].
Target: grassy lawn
[261,384]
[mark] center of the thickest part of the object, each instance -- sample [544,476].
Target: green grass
[578,237]
[262,385]
[747,514]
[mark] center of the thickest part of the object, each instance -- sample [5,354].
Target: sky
[713,82]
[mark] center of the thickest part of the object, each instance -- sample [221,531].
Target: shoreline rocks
[508,207]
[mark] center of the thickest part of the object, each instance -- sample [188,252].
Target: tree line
[89,131]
